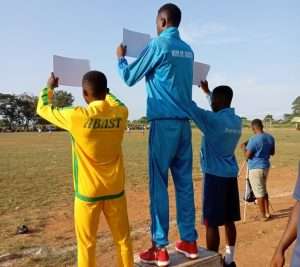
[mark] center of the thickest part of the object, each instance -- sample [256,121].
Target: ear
[163,22]
[85,93]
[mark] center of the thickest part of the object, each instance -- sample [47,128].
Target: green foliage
[27,109]
[245,122]
[62,99]
[16,111]
[296,106]
[19,111]
[287,117]
[3,123]
[269,117]
[143,120]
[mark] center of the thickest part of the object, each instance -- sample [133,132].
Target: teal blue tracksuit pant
[170,148]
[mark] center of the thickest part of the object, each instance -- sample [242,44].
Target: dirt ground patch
[256,240]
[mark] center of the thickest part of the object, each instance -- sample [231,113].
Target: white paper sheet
[135,42]
[200,72]
[70,70]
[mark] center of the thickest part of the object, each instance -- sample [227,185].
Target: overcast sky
[253,46]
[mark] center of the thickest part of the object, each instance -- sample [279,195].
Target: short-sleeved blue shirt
[261,146]
[296,256]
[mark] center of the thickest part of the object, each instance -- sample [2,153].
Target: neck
[167,27]
[96,99]
[170,26]
[223,107]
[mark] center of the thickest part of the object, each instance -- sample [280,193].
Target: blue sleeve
[251,146]
[147,60]
[297,188]
[201,117]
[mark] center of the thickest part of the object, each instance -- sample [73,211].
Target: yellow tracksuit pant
[87,215]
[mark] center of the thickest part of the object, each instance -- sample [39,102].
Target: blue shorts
[221,201]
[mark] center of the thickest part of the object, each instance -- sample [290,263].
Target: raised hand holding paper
[70,70]
[135,42]
[52,81]
[200,72]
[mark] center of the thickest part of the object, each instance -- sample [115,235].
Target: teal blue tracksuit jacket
[167,65]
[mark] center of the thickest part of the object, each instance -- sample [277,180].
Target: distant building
[296,120]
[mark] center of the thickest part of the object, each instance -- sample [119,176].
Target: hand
[121,51]
[278,260]
[204,86]
[52,81]
[243,145]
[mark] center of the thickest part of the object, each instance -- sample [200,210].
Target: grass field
[36,181]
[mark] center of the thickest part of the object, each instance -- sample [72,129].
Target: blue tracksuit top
[221,133]
[167,64]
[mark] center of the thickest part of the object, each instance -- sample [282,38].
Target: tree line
[18,112]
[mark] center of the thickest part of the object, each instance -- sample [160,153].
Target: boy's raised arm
[132,73]
[205,89]
[200,116]
[60,117]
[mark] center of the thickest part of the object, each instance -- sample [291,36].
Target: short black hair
[98,81]
[225,92]
[173,13]
[257,123]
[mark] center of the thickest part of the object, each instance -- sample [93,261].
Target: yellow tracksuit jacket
[97,133]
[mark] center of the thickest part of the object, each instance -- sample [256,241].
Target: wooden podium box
[206,259]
